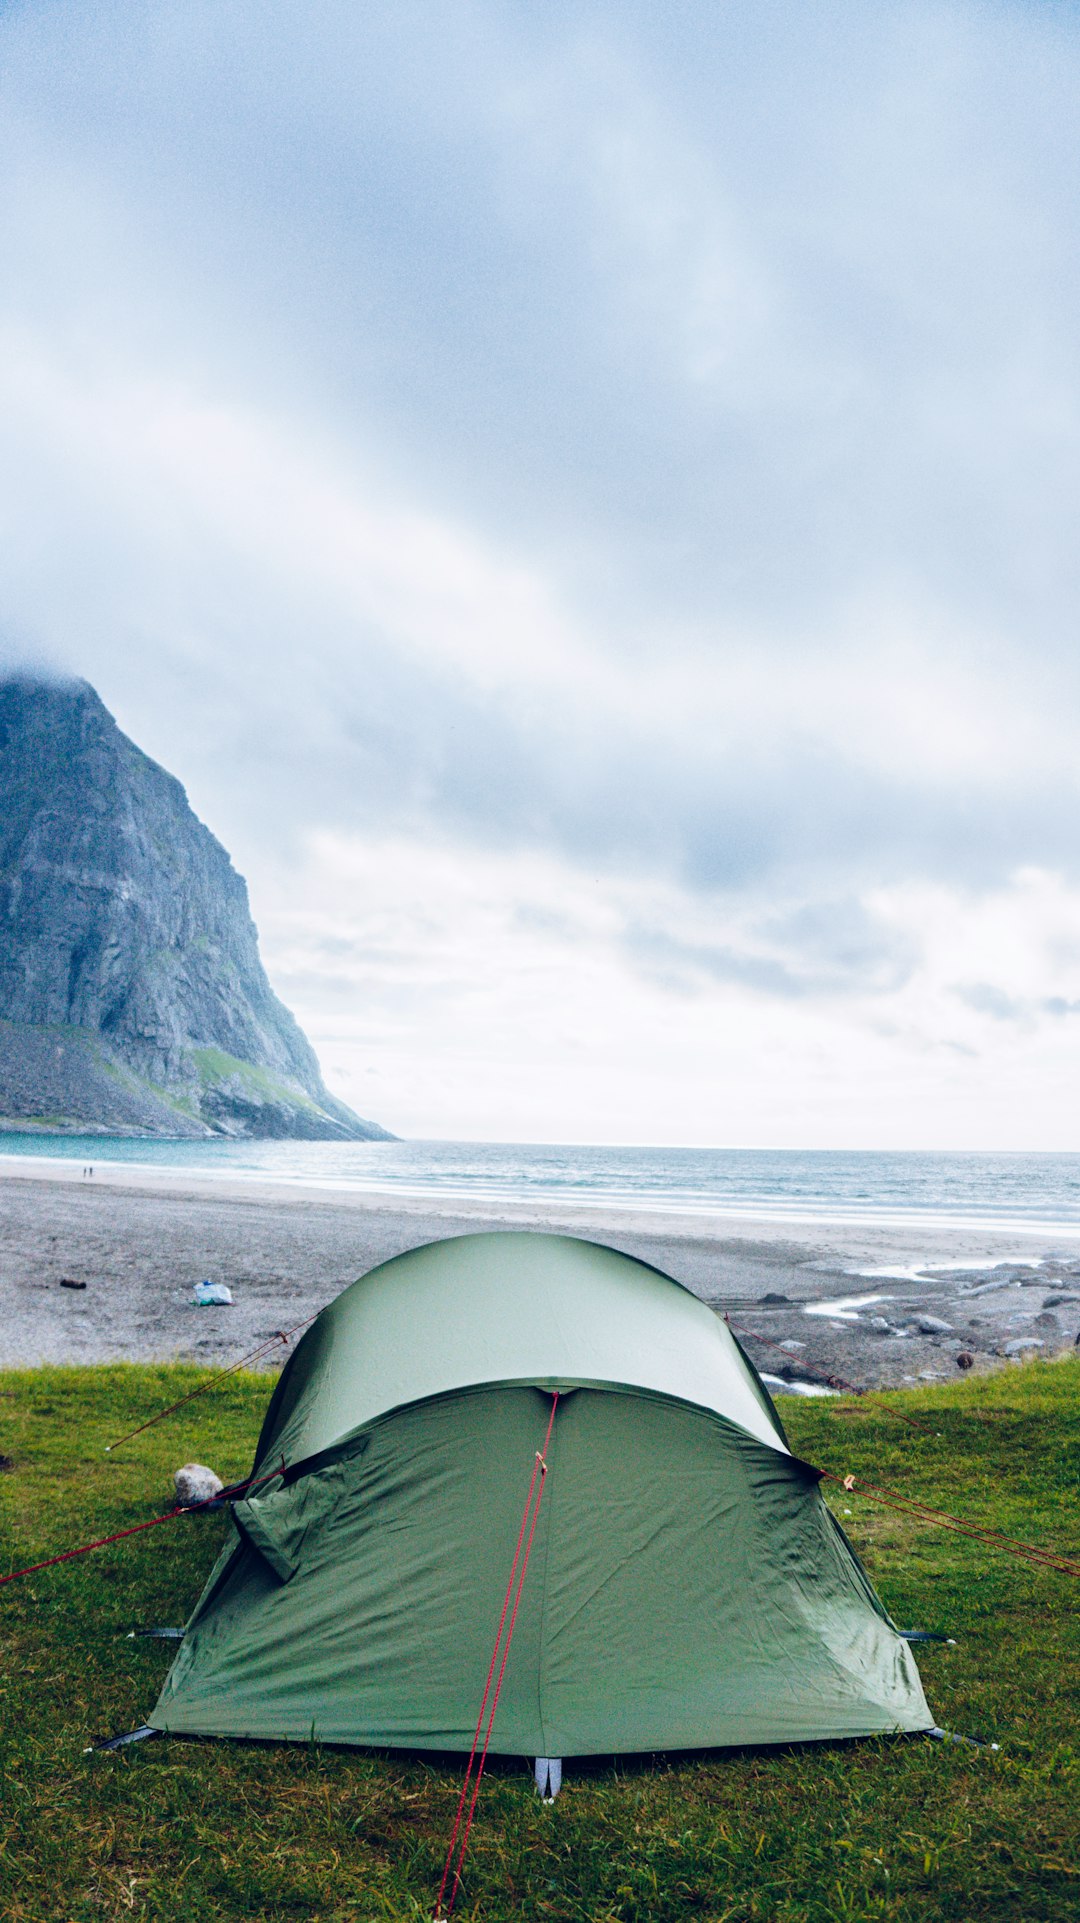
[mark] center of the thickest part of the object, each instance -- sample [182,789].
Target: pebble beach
[861,1304]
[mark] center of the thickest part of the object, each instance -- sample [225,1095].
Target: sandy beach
[844,1299]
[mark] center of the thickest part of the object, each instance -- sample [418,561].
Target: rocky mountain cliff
[132,996]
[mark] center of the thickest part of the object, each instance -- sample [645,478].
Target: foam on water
[779,1385]
[845,1307]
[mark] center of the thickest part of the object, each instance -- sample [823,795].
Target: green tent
[687,1588]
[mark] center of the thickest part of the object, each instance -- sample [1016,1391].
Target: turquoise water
[1032,1191]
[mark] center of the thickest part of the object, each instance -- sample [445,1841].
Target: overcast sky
[585,497]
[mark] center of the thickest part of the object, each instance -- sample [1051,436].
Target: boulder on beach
[1048,1321]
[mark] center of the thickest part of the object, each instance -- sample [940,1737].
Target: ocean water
[1033,1192]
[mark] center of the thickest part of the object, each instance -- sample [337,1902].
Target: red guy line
[539,1468]
[171,1515]
[990,1538]
[280,1335]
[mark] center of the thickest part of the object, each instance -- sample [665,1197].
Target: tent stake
[120,1742]
[950,1736]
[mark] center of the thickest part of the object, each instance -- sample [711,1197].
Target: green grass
[893,1829]
[213,1066]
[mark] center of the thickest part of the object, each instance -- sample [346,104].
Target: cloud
[849,944]
[683,966]
[504,984]
[818,948]
[985,999]
[614,444]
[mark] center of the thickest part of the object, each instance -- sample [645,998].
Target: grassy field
[197,1831]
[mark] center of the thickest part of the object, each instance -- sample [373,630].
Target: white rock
[792,1344]
[932,1325]
[1021,1343]
[196,1483]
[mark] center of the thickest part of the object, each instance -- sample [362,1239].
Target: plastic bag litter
[209,1295]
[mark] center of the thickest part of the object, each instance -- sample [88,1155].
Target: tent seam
[549,1526]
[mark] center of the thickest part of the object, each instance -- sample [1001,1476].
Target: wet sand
[139,1240]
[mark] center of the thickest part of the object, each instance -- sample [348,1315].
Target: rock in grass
[1022,1344]
[196,1483]
[932,1325]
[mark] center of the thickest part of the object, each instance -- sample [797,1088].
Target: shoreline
[140,1237]
[911,1231]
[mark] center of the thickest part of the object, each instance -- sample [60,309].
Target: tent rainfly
[688,1587]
